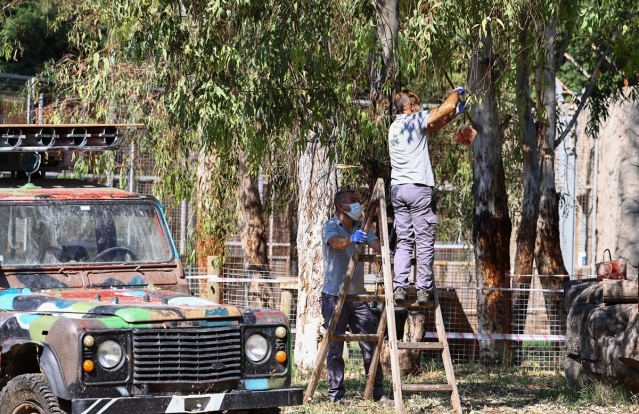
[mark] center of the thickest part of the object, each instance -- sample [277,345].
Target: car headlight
[109,354]
[256,348]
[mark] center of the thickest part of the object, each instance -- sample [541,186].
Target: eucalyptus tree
[452,36]
[386,32]
[534,77]
[600,29]
[225,89]
[27,37]
[233,79]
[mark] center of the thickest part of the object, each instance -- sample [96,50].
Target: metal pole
[593,229]
[29,103]
[40,107]
[183,218]
[131,171]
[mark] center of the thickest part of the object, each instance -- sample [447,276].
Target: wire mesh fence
[533,334]
[534,339]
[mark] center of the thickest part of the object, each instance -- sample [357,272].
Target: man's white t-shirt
[408,148]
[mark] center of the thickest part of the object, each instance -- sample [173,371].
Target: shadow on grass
[481,389]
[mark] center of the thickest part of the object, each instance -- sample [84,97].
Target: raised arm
[441,115]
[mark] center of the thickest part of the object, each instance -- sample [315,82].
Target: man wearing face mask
[340,237]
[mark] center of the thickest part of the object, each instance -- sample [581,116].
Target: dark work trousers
[359,317]
[415,221]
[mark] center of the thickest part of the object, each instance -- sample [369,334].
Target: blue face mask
[356,211]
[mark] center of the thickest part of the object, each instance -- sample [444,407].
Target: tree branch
[584,97]
[563,48]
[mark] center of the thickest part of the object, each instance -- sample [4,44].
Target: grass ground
[482,390]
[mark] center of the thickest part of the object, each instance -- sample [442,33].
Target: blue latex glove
[460,90]
[461,108]
[358,237]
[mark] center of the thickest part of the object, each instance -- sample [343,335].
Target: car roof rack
[60,137]
[18,141]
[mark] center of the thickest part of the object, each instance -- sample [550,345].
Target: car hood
[132,305]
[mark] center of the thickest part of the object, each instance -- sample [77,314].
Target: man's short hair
[339,195]
[403,98]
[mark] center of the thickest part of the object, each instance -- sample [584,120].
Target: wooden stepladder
[387,320]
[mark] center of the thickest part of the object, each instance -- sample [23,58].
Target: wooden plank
[368,297]
[422,346]
[620,291]
[356,337]
[370,258]
[408,303]
[413,304]
[427,388]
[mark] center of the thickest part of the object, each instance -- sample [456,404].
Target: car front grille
[180,355]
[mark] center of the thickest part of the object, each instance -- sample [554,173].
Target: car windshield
[79,233]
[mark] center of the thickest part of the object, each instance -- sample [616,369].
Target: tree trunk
[291,213]
[253,238]
[206,247]
[547,246]
[491,223]
[386,34]
[317,183]
[527,230]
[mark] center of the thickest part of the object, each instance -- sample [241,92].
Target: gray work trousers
[359,317]
[415,221]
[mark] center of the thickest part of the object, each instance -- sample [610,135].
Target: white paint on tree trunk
[617,193]
[317,183]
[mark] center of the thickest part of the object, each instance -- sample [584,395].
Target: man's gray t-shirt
[336,261]
[408,148]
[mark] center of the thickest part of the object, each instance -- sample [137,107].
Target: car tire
[29,393]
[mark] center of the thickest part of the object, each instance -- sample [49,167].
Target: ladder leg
[372,371]
[330,330]
[448,363]
[390,304]
[321,356]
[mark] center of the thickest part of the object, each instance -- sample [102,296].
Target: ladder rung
[370,258]
[365,298]
[424,346]
[412,304]
[377,258]
[427,388]
[356,337]
[370,297]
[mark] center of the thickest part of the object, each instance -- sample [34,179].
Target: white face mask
[356,211]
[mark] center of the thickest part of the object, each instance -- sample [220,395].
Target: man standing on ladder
[340,235]
[412,183]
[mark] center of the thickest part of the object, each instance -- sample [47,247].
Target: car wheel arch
[33,358]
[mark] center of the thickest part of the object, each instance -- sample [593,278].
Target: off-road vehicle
[95,311]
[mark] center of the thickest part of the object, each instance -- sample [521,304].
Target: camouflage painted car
[96,315]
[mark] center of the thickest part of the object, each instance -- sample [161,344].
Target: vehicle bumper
[235,400]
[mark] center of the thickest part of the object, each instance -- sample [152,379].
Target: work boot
[424,296]
[400,294]
[384,400]
[339,400]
